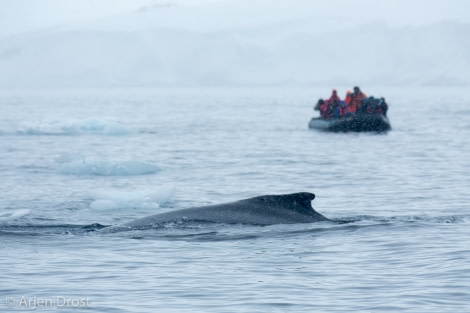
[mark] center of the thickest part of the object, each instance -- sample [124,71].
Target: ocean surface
[73,162]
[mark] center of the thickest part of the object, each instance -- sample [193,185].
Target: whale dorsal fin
[300,201]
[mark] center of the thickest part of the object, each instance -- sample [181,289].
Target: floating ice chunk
[103,167]
[74,127]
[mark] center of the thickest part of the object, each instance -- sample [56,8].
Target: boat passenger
[326,110]
[372,105]
[323,107]
[383,106]
[356,100]
[347,99]
[343,108]
[317,106]
[336,108]
[363,106]
[335,104]
[334,97]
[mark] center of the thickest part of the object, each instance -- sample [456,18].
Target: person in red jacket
[324,108]
[335,106]
[356,100]
[347,99]
[334,96]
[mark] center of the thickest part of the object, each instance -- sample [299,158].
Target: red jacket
[334,96]
[356,100]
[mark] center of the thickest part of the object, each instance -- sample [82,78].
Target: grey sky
[25,15]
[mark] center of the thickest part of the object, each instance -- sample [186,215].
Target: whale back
[262,210]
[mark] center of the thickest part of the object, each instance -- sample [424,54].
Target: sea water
[73,162]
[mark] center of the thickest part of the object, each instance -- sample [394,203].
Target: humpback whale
[261,210]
